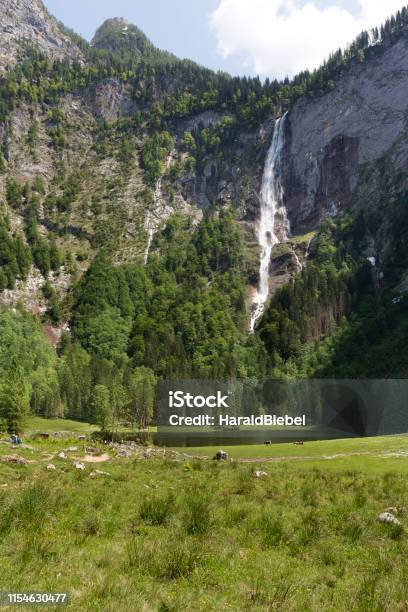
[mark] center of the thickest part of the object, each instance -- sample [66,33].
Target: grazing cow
[267,442]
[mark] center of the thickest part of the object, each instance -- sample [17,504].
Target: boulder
[387,517]
[99,473]
[41,435]
[14,459]
[51,466]
[220,456]
[260,474]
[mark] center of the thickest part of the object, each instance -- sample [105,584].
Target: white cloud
[278,37]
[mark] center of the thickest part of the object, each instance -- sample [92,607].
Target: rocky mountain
[348,149]
[120,157]
[27,22]
[77,135]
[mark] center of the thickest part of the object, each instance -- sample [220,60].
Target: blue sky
[266,37]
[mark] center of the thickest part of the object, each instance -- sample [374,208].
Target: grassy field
[370,455]
[34,423]
[178,533]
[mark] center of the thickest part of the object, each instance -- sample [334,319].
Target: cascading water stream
[150,231]
[151,220]
[271,203]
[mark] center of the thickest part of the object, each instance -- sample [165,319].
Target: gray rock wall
[28,20]
[333,140]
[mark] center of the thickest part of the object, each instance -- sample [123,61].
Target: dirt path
[297,458]
[96,458]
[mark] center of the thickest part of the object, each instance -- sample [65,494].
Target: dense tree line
[371,342]
[316,301]
[78,385]
[19,249]
[15,256]
[183,315]
[342,317]
[28,369]
[154,154]
[312,305]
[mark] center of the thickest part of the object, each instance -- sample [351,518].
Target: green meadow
[161,530]
[370,455]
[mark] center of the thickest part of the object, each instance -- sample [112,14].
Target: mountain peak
[118,34]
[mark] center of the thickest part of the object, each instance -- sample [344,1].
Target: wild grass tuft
[245,482]
[180,560]
[271,528]
[90,525]
[167,559]
[27,509]
[198,513]
[156,510]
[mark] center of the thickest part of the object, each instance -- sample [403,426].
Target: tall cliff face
[336,143]
[344,149]
[86,140]
[25,22]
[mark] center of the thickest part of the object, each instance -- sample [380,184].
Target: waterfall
[158,213]
[271,204]
[149,222]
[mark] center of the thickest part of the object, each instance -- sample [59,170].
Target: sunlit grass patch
[197,535]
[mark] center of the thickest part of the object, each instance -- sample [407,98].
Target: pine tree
[141,391]
[14,399]
[101,407]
